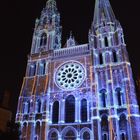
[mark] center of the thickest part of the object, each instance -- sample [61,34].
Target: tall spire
[103,13]
[51,2]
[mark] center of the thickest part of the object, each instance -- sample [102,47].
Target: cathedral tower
[80,92]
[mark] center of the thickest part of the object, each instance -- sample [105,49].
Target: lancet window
[55,116]
[70,109]
[84,110]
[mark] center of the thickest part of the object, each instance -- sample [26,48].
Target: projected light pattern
[79,92]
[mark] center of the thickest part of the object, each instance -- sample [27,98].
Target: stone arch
[69,133]
[71,94]
[124,114]
[85,134]
[53,134]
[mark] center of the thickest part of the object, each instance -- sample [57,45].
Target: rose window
[70,75]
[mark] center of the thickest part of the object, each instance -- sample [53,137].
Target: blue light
[81,91]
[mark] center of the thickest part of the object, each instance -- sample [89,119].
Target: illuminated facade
[80,92]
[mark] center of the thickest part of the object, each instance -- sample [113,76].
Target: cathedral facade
[78,92]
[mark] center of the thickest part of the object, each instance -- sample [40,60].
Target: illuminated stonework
[70,75]
[79,92]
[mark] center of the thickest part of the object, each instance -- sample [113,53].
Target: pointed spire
[51,2]
[103,13]
[51,5]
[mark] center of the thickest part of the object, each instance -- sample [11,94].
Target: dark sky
[17,25]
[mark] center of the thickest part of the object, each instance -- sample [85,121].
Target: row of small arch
[119,97]
[101,59]
[114,40]
[39,69]
[54,134]
[70,109]
[39,106]
[85,133]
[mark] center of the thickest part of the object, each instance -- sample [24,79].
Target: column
[37,44]
[30,131]
[20,105]
[78,137]
[97,128]
[62,112]
[43,131]
[51,111]
[88,111]
[76,110]
[79,111]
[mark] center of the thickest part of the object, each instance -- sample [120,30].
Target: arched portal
[86,135]
[69,134]
[53,135]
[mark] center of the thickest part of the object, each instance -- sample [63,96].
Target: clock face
[70,75]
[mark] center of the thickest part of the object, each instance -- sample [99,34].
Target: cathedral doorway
[70,135]
[86,136]
[53,135]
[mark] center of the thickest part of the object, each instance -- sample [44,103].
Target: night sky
[17,25]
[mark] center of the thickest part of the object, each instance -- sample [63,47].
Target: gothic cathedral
[78,92]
